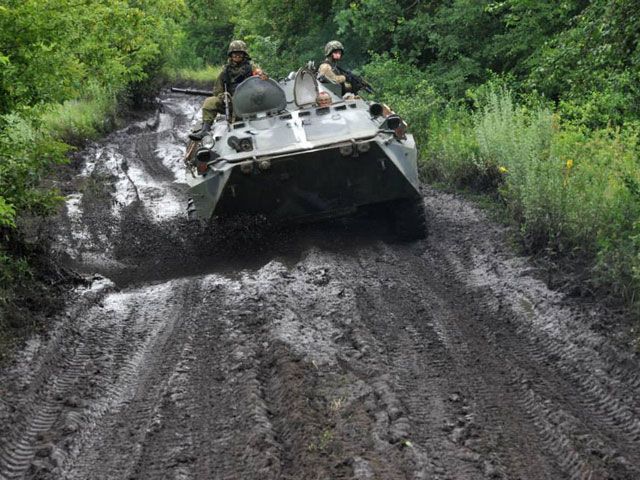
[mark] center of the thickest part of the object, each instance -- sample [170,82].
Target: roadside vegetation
[65,67]
[536,104]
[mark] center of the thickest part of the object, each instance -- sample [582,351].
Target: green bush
[7,214]
[265,51]
[406,91]
[566,186]
[27,157]
[602,192]
[450,152]
[513,143]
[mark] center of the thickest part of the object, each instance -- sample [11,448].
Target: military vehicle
[297,151]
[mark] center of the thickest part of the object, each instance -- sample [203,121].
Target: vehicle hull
[320,183]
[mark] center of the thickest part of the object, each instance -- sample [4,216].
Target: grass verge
[571,192]
[75,121]
[201,77]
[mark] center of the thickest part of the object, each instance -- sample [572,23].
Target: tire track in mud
[585,415]
[48,392]
[301,369]
[495,387]
[95,373]
[475,413]
[333,354]
[590,405]
[128,407]
[414,368]
[236,438]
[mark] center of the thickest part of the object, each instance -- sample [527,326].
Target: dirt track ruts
[327,351]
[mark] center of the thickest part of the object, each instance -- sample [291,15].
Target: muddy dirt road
[323,352]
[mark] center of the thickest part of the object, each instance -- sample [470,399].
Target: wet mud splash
[325,351]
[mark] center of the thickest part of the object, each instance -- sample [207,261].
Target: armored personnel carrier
[296,152]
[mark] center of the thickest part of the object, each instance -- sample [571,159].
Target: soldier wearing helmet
[238,68]
[333,52]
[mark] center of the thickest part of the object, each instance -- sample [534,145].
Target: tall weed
[570,190]
[449,149]
[514,144]
[85,117]
[205,75]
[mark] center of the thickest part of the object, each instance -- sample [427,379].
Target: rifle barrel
[357,81]
[190,91]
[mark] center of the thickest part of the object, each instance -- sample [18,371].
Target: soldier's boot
[200,134]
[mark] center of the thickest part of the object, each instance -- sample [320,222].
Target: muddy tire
[409,221]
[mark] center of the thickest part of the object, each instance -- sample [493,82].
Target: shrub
[513,144]
[85,117]
[450,152]
[199,76]
[572,190]
[27,155]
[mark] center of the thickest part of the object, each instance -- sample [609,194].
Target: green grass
[201,76]
[570,191]
[85,118]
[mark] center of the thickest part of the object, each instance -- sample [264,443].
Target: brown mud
[320,352]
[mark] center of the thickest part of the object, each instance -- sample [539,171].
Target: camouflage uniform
[231,76]
[328,68]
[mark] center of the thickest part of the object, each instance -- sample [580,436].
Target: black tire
[409,219]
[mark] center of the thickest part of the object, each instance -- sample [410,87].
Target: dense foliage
[63,64]
[535,102]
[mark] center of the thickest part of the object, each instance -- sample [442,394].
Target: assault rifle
[227,113]
[188,91]
[357,82]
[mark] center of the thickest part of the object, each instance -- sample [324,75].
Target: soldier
[323,99]
[328,69]
[239,68]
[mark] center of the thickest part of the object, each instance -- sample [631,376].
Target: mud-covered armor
[297,151]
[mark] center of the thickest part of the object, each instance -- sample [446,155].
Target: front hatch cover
[255,96]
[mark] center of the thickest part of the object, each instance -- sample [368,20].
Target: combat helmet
[332,46]
[237,46]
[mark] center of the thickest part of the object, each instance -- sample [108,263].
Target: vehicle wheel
[409,219]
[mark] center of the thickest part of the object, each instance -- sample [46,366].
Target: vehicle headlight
[264,164]
[346,150]
[208,141]
[364,147]
[376,109]
[203,155]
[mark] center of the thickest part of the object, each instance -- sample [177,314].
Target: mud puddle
[320,352]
